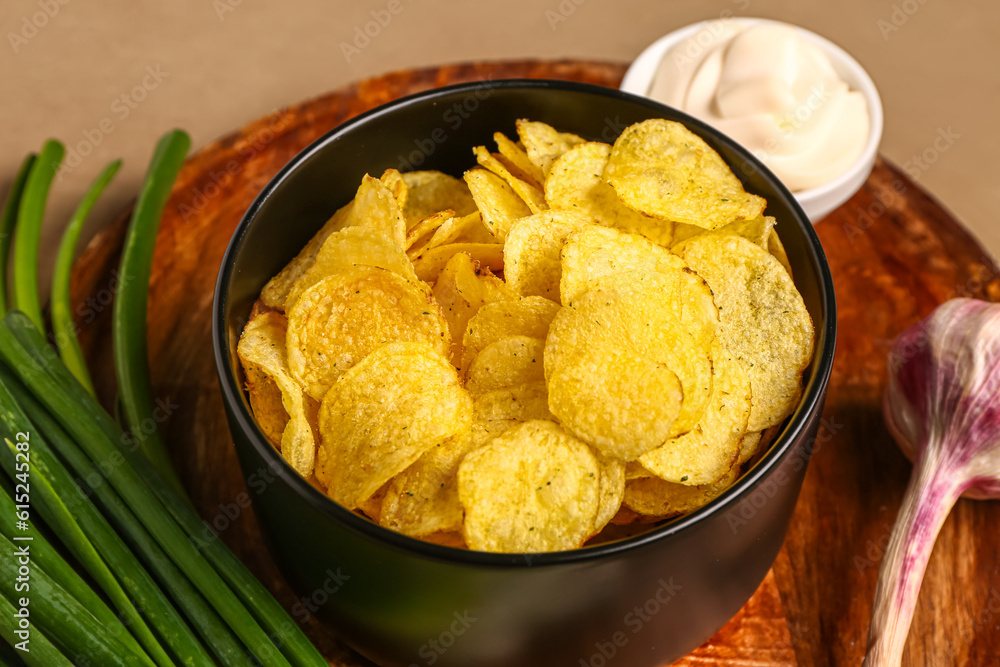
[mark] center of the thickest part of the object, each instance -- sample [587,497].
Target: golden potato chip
[507,362]
[662,169]
[520,402]
[607,393]
[652,496]
[375,208]
[531,195]
[576,183]
[265,402]
[611,491]
[499,205]
[757,230]
[350,247]
[543,143]
[707,452]
[262,345]
[777,249]
[624,339]
[462,288]
[344,317]
[748,446]
[372,508]
[383,414]
[394,182]
[425,229]
[532,252]
[519,158]
[763,321]
[429,264]
[594,252]
[431,191]
[423,499]
[527,316]
[534,488]
[466,229]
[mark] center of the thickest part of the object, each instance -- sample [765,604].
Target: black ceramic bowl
[643,601]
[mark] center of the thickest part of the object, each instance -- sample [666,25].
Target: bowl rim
[639,77]
[233,394]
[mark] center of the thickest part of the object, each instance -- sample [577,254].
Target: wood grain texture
[894,253]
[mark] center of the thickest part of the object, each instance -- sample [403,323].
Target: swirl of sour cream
[772,91]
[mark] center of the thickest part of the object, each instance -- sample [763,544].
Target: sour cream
[772,91]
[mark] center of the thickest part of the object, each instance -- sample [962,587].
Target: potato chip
[431,191]
[424,230]
[527,316]
[763,321]
[499,205]
[346,316]
[372,508]
[394,183]
[517,156]
[350,247]
[423,499]
[265,402]
[531,195]
[707,452]
[262,346]
[611,491]
[748,446]
[613,361]
[593,252]
[651,496]
[522,402]
[532,252]
[576,183]
[507,362]
[660,168]
[468,229]
[777,249]
[606,393]
[543,143]
[532,489]
[462,288]
[429,264]
[375,208]
[383,414]
[757,230]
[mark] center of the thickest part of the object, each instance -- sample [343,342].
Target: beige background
[222,63]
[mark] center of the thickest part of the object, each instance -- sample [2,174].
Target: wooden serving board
[894,252]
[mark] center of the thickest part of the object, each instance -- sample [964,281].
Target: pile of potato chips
[573,338]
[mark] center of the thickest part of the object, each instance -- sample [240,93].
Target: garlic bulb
[942,406]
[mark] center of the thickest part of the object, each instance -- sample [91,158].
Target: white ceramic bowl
[818,201]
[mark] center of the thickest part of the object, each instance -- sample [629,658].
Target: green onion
[77,411]
[7,222]
[64,508]
[63,327]
[50,561]
[206,622]
[129,314]
[30,215]
[60,616]
[41,651]
[25,351]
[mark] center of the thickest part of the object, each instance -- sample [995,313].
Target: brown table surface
[813,608]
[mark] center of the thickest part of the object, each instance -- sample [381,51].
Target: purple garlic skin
[944,392]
